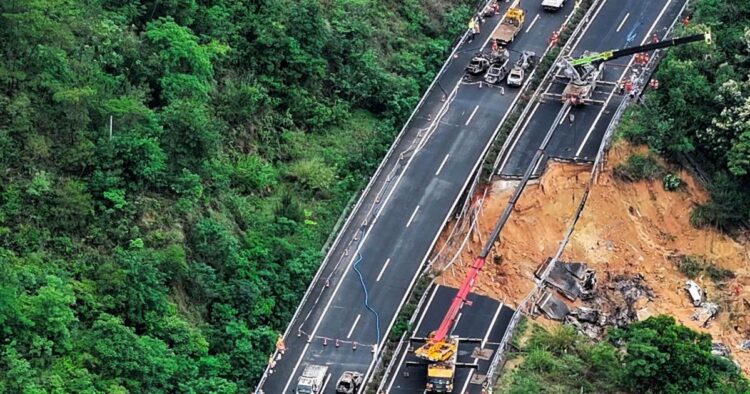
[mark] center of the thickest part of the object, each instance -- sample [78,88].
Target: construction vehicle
[553,5]
[313,379]
[585,72]
[512,23]
[349,382]
[518,72]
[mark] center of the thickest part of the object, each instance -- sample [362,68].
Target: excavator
[584,73]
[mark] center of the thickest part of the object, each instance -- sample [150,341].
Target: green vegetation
[672,182]
[653,356]
[639,167]
[701,111]
[164,255]
[692,266]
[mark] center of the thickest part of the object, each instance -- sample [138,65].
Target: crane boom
[615,54]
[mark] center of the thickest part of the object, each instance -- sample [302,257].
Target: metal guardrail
[477,175]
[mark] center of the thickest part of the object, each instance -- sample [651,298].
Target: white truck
[313,379]
[553,5]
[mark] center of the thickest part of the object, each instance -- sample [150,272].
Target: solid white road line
[416,329]
[481,346]
[455,323]
[412,216]
[536,18]
[367,234]
[565,115]
[472,115]
[445,220]
[351,330]
[625,70]
[442,164]
[623,22]
[383,270]
[426,308]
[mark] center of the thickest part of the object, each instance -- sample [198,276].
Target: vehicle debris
[695,291]
[588,321]
[720,349]
[706,313]
[349,382]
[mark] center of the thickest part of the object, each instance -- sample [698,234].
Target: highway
[617,24]
[486,319]
[396,223]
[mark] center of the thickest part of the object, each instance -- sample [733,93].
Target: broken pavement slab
[553,307]
[482,354]
[566,277]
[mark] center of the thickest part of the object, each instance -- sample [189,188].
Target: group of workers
[477,20]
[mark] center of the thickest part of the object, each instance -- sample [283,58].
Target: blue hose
[367,304]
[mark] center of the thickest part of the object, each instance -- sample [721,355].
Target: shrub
[690,265]
[638,167]
[728,208]
[672,182]
[718,274]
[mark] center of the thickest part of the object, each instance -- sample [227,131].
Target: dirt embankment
[625,228]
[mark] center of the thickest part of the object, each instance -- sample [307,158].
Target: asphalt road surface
[617,24]
[393,240]
[485,319]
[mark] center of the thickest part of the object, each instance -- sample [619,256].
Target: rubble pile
[614,304]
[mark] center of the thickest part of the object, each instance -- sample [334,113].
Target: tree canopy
[702,109]
[652,356]
[170,169]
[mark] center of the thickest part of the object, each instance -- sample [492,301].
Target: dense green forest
[652,356]
[702,109]
[164,255]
